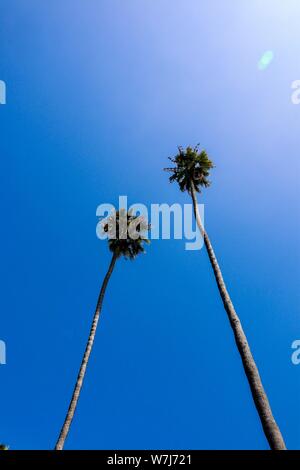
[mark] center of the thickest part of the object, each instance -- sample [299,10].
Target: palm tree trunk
[73,404]
[260,398]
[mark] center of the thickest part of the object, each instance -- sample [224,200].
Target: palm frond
[126,233]
[191,166]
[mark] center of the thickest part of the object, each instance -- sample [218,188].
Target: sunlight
[265,60]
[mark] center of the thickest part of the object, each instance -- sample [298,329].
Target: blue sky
[99,94]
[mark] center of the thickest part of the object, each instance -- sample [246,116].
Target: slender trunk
[261,401]
[72,407]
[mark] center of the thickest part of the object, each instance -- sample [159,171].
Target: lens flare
[265,60]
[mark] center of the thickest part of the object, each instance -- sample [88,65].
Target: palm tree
[125,238]
[191,172]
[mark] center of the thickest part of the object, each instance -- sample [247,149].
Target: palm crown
[192,166]
[126,233]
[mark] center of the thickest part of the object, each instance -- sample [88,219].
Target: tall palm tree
[125,238]
[191,172]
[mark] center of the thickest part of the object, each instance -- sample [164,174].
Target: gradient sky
[99,94]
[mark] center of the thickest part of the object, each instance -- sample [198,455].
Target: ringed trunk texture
[270,427]
[76,393]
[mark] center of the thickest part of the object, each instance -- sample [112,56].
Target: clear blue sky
[99,94]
